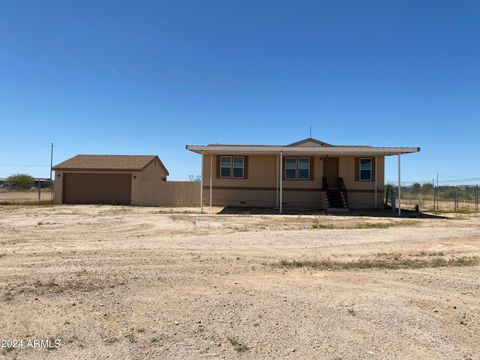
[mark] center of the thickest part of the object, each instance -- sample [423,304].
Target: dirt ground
[147,283]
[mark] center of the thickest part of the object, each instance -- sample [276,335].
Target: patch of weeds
[51,344]
[239,347]
[352,312]
[110,341]
[395,262]
[8,296]
[27,203]
[317,225]
[432,253]
[40,223]
[51,286]
[8,349]
[131,338]
[460,210]
[368,225]
[359,225]
[72,339]
[394,256]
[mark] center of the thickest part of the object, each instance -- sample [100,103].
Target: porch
[311,174]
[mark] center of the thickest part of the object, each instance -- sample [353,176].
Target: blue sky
[149,77]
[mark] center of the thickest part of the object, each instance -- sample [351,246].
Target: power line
[26,165]
[24,141]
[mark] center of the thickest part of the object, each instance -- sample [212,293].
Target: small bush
[21,181]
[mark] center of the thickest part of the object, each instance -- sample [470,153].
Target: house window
[232,167]
[304,168]
[238,166]
[290,168]
[226,166]
[365,169]
[297,168]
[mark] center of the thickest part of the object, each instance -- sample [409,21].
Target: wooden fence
[166,193]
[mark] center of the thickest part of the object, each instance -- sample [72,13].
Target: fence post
[476,198]
[456,198]
[39,191]
[438,198]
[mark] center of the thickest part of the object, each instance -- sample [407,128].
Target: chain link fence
[442,198]
[39,191]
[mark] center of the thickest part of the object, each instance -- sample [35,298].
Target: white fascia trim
[386,151]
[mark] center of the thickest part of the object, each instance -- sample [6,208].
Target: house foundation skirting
[256,188]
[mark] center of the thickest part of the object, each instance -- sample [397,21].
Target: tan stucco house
[108,179]
[306,174]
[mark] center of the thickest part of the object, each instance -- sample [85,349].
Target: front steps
[336,201]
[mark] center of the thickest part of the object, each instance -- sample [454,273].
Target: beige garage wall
[149,190]
[58,187]
[165,193]
[153,171]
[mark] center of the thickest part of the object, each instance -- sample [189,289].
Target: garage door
[92,188]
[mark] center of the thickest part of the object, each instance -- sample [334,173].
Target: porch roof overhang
[301,150]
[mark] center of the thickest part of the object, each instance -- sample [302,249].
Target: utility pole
[51,160]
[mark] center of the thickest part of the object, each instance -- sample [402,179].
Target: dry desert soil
[113,282]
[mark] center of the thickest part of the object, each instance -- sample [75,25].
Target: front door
[330,171]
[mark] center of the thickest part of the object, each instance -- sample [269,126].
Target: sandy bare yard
[144,283]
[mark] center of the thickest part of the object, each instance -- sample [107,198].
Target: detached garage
[105,179]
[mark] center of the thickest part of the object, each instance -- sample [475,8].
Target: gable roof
[108,162]
[307,141]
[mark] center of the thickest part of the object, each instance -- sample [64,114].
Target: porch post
[399,188]
[376,182]
[281,182]
[211,178]
[276,180]
[201,186]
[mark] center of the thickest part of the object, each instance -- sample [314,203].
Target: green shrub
[21,181]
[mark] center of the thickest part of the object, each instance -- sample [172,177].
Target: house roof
[308,146]
[108,163]
[310,141]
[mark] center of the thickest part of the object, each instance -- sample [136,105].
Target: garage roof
[108,162]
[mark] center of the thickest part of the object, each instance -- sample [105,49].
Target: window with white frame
[366,169]
[238,166]
[226,166]
[304,168]
[290,168]
[297,168]
[232,167]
